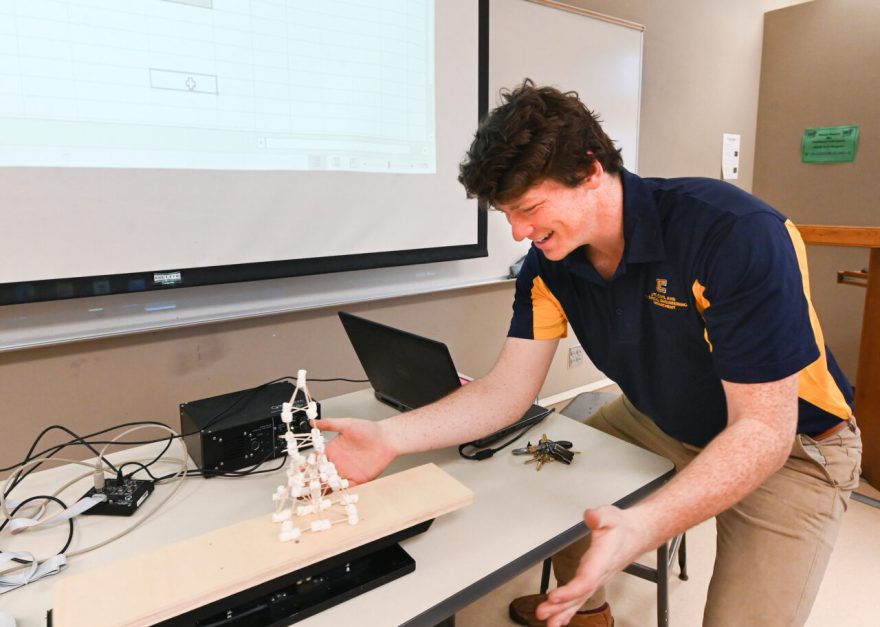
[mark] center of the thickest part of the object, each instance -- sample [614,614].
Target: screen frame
[162,279]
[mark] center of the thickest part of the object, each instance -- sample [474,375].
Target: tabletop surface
[519,517]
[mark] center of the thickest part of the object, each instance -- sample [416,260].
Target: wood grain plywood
[161,584]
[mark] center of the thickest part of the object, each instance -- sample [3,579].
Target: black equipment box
[123,497]
[305,592]
[240,429]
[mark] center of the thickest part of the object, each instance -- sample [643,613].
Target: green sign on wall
[830,144]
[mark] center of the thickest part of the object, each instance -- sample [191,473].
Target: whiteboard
[550,42]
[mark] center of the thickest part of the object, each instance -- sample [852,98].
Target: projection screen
[151,144]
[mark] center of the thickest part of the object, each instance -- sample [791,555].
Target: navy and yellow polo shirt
[713,285]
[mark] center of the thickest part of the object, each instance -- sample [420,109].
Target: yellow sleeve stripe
[815,383]
[702,303]
[548,319]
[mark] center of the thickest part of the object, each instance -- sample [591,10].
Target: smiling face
[556,217]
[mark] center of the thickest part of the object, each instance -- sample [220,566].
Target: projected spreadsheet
[218,84]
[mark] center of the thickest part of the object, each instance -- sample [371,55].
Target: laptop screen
[406,370]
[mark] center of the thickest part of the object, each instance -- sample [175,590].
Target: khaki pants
[774,545]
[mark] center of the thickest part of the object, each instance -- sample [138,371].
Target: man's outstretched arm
[363,449]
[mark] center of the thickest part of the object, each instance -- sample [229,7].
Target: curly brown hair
[538,133]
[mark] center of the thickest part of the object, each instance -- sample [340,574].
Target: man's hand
[360,450]
[761,423]
[617,540]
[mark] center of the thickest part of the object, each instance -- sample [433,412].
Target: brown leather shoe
[522,611]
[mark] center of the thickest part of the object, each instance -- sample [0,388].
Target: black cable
[231,474]
[252,391]
[145,468]
[55,449]
[238,399]
[486,453]
[58,447]
[482,448]
[252,470]
[83,439]
[34,498]
[202,472]
[50,452]
[168,440]
[88,442]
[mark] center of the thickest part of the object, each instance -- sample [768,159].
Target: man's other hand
[616,542]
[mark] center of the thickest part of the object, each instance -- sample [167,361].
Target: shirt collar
[642,232]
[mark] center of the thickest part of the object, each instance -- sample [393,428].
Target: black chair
[659,575]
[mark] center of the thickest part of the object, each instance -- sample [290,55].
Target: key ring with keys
[546,451]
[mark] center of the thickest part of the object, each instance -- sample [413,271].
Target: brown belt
[832,431]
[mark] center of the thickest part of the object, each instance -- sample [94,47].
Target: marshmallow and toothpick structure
[315,495]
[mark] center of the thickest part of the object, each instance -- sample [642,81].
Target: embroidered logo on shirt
[660,298]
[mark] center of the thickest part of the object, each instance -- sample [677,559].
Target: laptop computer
[407,370]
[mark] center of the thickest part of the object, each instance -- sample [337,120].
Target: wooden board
[867,410]
[858,236]
[868,376]
[174,579]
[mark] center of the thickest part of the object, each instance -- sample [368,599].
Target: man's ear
[594,176]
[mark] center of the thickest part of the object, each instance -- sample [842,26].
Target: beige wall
[700,79]
[822,68]
[700,74]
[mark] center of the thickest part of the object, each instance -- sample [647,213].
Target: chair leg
[545,576]
[682,558]
[663,585]
[659,575]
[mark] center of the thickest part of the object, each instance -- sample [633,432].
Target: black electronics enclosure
[123,498]
[240,429]
[302,593]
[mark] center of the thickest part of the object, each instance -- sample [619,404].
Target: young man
[693,296]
